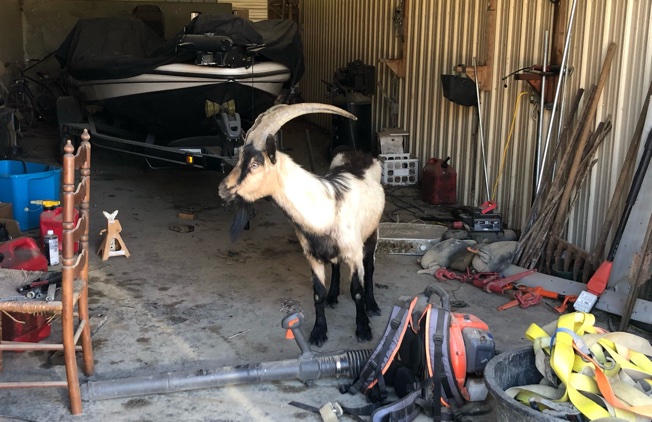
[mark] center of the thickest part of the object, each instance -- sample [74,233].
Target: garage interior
[521,124]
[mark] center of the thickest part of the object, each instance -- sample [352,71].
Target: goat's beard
[243,209]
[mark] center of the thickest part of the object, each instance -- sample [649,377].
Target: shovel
[600,278]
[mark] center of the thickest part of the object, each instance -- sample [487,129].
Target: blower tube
[306,367]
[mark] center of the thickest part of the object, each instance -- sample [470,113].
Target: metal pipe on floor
[306,368]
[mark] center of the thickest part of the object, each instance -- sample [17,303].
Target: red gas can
[22,253]
[439,182]
[53,220]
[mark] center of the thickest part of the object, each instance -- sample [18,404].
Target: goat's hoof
[363,334]
[318,337]
[332,302]
[373,310]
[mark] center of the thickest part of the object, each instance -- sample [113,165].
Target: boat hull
[169,101]
[268,77]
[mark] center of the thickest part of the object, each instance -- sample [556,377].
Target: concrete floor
[189,301]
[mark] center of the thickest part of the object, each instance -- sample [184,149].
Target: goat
[336,216]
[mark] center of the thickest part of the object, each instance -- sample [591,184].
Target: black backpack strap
[427,407]
[439,374]
[356,412]
[404,410]
[374,365]
[451,391]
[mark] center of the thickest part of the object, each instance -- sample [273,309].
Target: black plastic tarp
[121,47]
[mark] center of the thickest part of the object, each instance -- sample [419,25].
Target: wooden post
[398,65]
[485,72]
[559,28]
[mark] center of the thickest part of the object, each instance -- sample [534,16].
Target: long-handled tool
[600,278]
[484,157]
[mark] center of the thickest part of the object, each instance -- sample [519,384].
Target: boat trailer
[203,152]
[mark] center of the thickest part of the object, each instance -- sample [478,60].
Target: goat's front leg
[318,335]
[368,263]
[334,289]
[362,328]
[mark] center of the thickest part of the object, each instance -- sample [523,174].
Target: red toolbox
[29,328]
[23,253]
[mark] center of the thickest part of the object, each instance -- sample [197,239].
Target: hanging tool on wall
[560,82]
[551,96]
[488,219]
[480,130]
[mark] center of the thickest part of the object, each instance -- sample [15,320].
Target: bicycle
[31,106]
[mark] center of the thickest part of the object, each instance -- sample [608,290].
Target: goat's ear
[270,146]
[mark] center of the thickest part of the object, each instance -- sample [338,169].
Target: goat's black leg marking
[362,328]
[368,262]
[334,289]
[318,335]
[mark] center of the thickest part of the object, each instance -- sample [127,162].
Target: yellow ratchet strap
[602,374]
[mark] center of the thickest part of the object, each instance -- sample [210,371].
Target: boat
[127,77]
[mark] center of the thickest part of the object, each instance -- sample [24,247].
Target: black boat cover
[121,47]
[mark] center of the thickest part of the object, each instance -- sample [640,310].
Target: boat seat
[71,306]
[205,42]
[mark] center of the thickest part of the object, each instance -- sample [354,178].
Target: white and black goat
[335,217]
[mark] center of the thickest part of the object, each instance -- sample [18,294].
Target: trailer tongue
[211,152]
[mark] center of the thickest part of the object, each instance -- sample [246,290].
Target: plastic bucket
[512,369]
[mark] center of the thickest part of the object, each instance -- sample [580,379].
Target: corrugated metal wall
[443,33]
[628,24]
[257,8]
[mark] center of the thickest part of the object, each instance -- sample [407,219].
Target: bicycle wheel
[47,107]
[20,101]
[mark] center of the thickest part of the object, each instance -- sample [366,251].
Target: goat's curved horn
[269,122]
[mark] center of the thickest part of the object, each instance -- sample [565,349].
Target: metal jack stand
[308,367]
[112,245]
